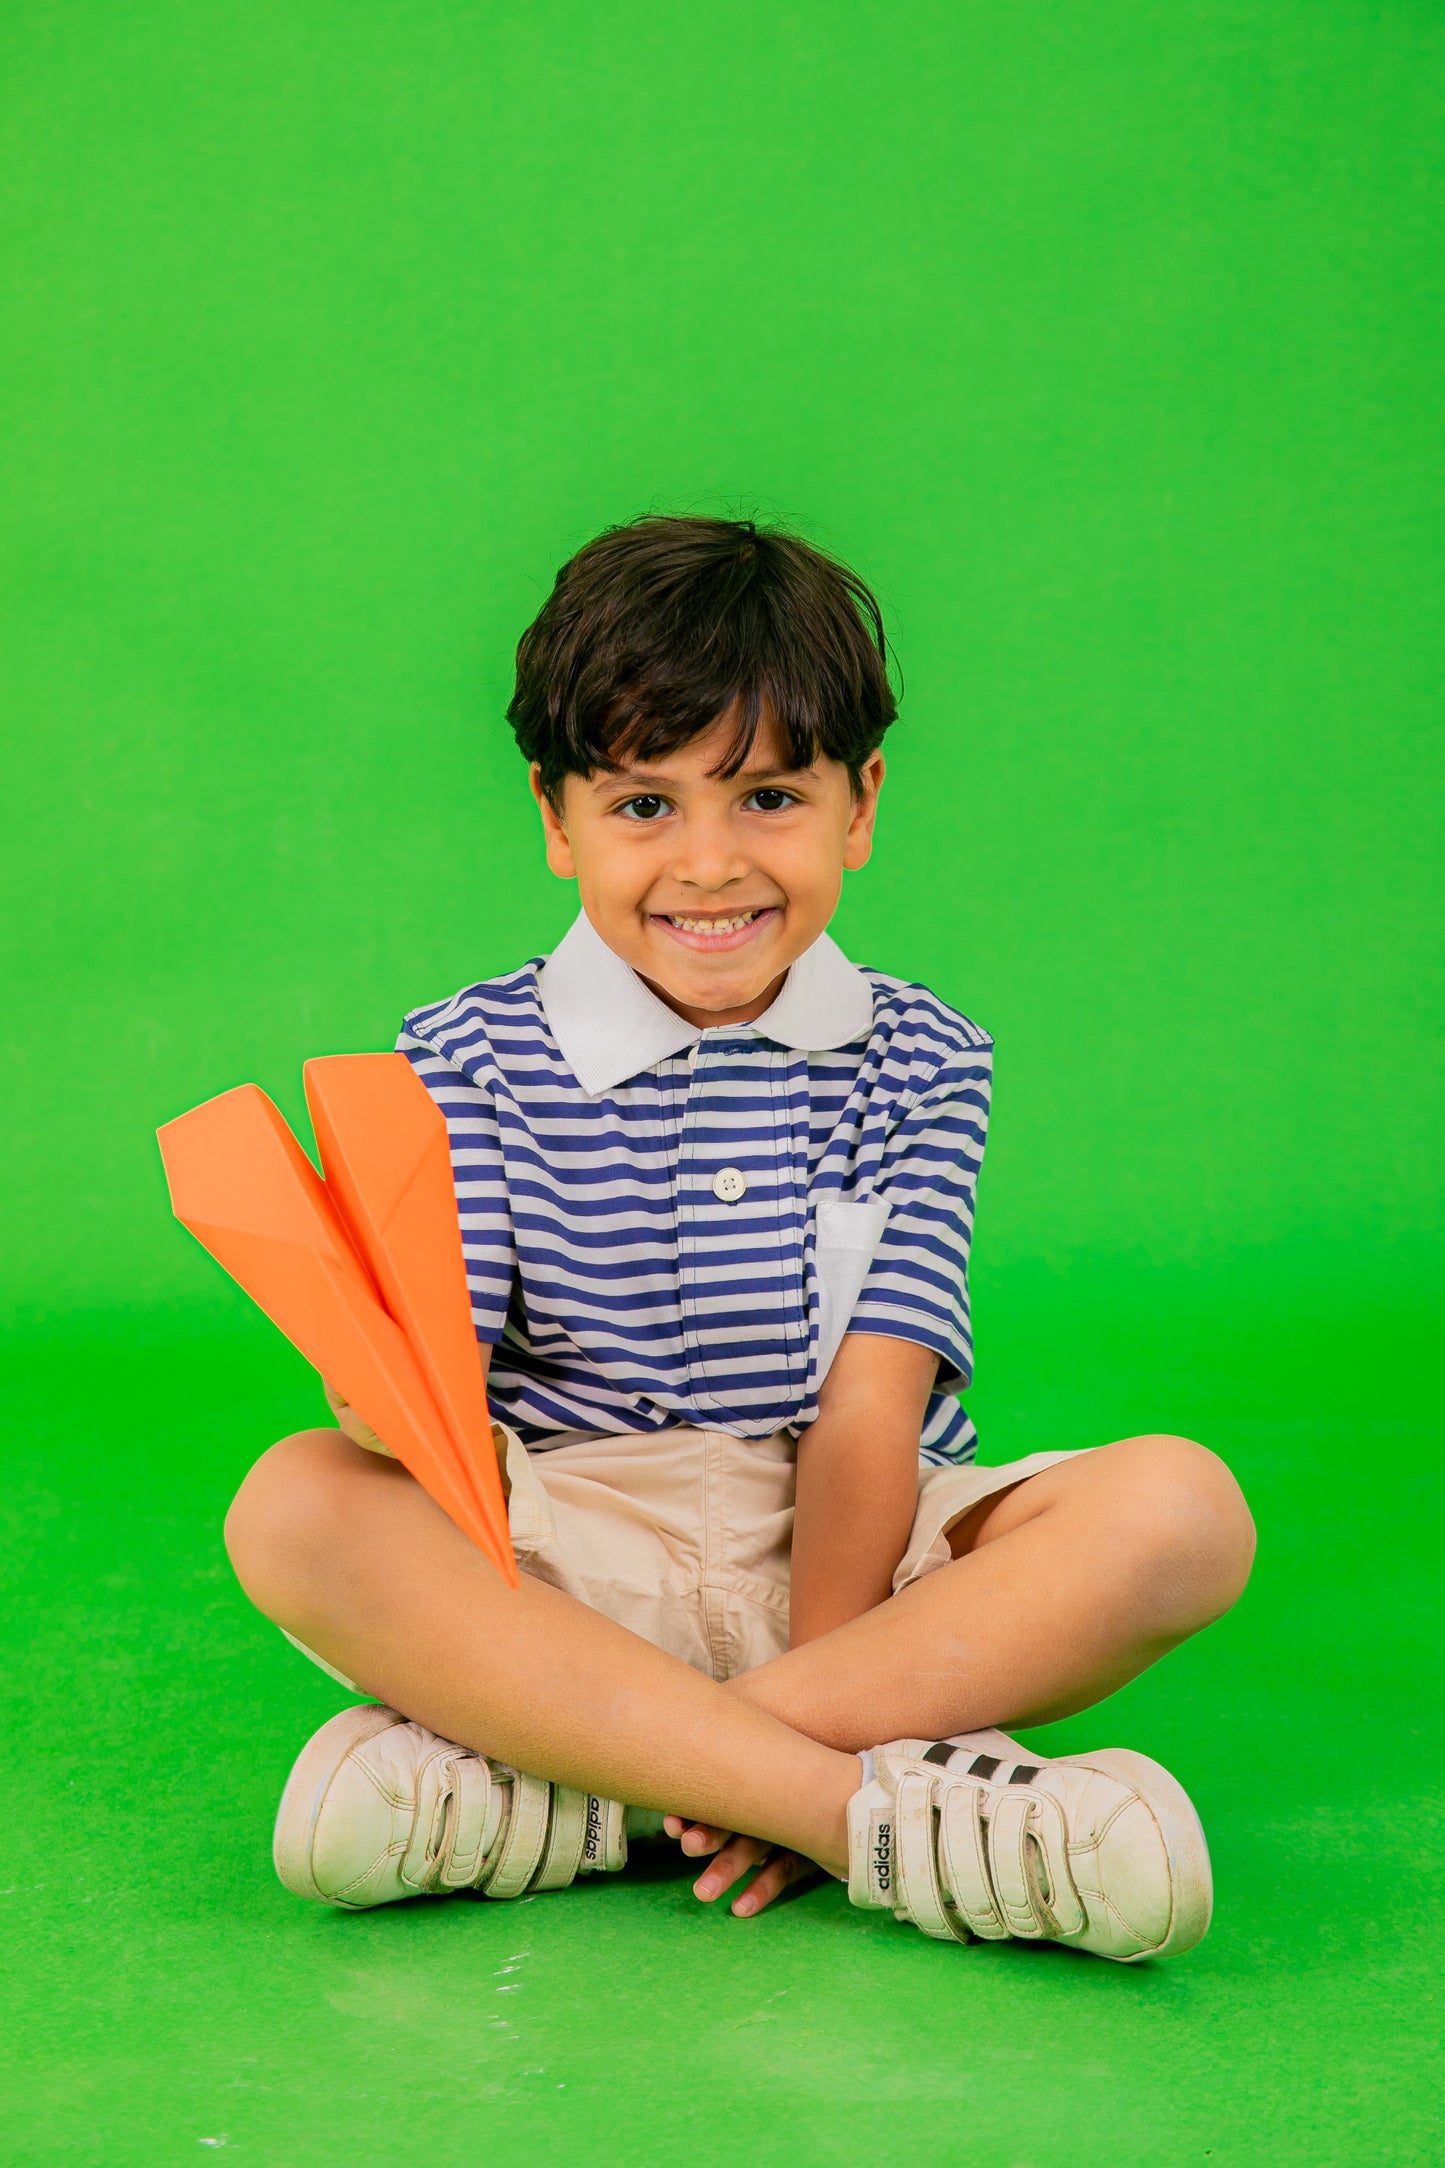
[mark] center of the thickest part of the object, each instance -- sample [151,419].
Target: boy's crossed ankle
[967,1837]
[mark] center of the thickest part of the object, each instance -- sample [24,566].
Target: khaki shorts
[684,1536]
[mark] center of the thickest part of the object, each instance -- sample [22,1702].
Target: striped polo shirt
[665,1225]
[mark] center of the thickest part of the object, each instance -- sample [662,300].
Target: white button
[730,1183]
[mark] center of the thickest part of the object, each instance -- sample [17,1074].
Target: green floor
[166,1997]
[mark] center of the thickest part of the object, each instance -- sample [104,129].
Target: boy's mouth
[715,929]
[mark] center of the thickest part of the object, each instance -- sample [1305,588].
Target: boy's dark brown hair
[656,628]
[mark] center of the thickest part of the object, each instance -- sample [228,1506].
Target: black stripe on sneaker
[941,1752]
[983,1765]
[1025,1773]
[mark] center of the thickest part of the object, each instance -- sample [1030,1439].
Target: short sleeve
[483,1205]
[917,1285]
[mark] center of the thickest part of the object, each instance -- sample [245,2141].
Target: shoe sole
[1190,1875]
[305,1795]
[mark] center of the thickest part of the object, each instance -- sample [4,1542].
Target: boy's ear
[554,835]
[858,843]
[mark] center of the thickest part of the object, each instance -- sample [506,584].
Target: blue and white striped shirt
[664,1225]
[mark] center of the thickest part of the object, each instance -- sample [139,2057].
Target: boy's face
[711,886]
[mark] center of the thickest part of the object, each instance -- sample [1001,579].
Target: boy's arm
[857,1481]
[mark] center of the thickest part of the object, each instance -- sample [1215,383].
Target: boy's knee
[1194,1532]
[276,1528]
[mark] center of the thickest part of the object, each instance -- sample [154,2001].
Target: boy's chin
[706,989]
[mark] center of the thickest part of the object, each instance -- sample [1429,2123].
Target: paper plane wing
[384,1152]
[243,1186]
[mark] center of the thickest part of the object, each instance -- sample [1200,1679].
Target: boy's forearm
[857,1482]
[857,1492]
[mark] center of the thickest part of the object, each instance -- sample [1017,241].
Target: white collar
[610,1025]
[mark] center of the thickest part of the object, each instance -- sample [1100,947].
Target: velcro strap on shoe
[566,1838]
[445,1817]
[963,1858]
[1022,1826]
[525,1839]
[475,1820]
[918,1895]
[1062,1904]
[604,1846]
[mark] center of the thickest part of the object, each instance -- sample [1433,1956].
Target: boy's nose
[710,861]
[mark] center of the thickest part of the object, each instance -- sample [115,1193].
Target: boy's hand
[358,1432]
[735,1856]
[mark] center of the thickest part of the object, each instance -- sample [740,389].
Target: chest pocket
[846,1239]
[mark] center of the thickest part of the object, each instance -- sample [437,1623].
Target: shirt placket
[741,1191]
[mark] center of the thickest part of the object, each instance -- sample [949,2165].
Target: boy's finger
[732,1862]
[695,1837]
[739,1857]
[772,1878]
[698,1837]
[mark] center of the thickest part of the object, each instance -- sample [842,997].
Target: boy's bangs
[643,730]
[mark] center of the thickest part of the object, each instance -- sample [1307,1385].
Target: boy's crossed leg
[1060,1590]
[1063,1588]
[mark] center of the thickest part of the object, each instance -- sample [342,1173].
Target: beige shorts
[685,1536]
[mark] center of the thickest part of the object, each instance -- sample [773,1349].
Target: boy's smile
[709,936]
[710,886]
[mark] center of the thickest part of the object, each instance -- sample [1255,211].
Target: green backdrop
[1105,338]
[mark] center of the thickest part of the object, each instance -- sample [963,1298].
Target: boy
[716,1188]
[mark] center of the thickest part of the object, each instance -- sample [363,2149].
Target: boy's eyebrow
[610,778]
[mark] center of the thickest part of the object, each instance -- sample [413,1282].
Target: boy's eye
[646,807]
[770,800]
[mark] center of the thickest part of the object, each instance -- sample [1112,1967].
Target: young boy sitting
[716,1188]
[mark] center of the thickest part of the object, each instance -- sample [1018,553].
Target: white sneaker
[377,1808]
[972,1837]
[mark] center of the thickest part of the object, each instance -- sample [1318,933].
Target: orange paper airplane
[362,1272]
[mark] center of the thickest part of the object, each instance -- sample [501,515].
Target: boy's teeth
[712,925]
